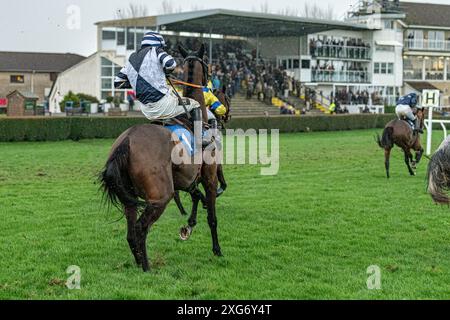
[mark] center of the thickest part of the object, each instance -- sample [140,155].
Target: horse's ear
[201,51]
[224,89]
[183,51]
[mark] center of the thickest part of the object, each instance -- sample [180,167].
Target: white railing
[340,76]
[342,52]
[429,126]
[424,44]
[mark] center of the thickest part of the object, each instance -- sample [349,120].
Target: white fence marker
[431,99]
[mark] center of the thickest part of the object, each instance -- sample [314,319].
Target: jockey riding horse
[145,72]
[406,110]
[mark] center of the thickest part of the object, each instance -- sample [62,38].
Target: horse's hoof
[185,233]
[220,192]
[146,267]
[217,252]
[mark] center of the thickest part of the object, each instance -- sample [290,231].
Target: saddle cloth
[185,136]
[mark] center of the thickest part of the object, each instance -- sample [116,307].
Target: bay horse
[222,120]
[399,132]
[140,176]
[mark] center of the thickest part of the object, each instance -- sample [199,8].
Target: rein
[186,84]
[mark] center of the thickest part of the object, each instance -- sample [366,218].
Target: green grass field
[309,233]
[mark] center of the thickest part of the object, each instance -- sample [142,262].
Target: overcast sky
[42,25]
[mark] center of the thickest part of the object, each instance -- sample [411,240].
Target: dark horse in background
[399,132]
[223,120]
[140,177]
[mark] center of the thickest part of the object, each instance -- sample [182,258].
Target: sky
[54,26]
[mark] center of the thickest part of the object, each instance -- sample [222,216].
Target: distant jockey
[214,106]
[406,110]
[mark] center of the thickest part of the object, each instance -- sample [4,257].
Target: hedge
[75,128]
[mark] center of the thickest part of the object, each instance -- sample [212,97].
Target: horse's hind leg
[387,155]
[151,214]
[131,214]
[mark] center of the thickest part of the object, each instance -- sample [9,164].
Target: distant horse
[140,176]
[400,133]
[438,174]
[223,120]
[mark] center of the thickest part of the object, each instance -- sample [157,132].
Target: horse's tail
[386,141]
[438,176]
[115,180]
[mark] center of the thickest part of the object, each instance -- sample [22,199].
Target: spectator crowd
[238,70]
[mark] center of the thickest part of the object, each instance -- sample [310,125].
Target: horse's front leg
[210,185]
[408,160]
[222,181]
[419,155]
[186,232]
[179,204]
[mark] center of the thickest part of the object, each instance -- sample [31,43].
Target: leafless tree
[132,11]
[316,12]
[309,11]
[263,8]
[168,7]
[288,11]
[196,7]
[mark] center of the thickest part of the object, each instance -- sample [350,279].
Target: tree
[133,11]
[168,7]
[264,7]
[316,12]
[288,11]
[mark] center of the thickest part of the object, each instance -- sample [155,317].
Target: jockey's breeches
[403,110]
[167,108]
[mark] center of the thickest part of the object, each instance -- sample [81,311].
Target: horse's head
[195,69]
[421,116]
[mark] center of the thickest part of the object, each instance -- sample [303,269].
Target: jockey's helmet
[410,100]
[153,39]
[414,100]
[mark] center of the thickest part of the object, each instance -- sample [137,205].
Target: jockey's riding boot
[213,124]
[417,126]
[197,117]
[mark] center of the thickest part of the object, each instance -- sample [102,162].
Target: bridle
[205,70]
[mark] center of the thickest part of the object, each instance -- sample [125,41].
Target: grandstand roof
[235,23]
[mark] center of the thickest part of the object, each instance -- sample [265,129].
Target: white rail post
[429,130]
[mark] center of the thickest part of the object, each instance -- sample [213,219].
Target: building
[117,39]
[93,76]
[21,103]
[32,72]
[381,48]
[426,32]
[422,31]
